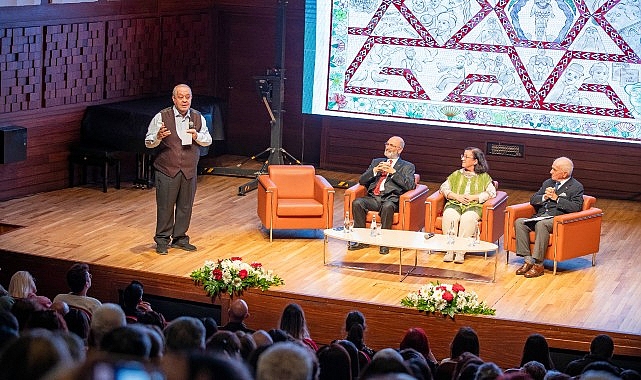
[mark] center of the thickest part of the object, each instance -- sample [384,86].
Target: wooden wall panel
[20,69]
[133,57]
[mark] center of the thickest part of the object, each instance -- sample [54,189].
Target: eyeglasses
[464,157]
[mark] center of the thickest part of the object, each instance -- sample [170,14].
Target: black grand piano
[109,130]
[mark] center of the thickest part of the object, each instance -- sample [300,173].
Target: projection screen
[555,67]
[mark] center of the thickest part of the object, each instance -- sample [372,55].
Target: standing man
[386,180]
[560,194]
[177,131]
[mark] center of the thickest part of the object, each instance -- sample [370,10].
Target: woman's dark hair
[465,340]
[481,165]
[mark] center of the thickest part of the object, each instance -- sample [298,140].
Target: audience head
[107,317]
[61,307]
[247,343]
[127,341]
[354,317]
[602,367]
[131,296]
[418,366]
[23,308]
[211,326]
[22,285]
[293,321]
[226,343]
[602,346]
[79,278]
[286,360]
[47,319]
[630,374]
[385,362]
[334,362]
[353,356]
[185,334]
[75,345]
[536,348]
[208,366]
[535,369]
[279,335]
[465,340]
[417,339]
[262,338]
[9,328]
[488,371]
[32,355]
[156,338]
[238,310]
[466,366]
[554,375]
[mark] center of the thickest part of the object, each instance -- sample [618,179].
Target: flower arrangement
[232,276]
[447,300]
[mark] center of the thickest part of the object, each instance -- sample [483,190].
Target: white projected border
[558,67]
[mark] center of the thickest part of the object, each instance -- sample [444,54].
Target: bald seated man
[238,312]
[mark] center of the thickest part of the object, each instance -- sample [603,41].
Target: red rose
[458,288]
[217,274]
[236,259]
[242,274]
[448,296]
[256,265]
[441,287]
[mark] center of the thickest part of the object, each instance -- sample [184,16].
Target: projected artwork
[566,67]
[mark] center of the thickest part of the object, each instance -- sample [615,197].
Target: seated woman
[465,191]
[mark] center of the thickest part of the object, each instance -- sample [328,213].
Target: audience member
[23,308]
[46,319]
[416,363]
[107,317]
[211,326]
[536,348]
[286,360]
[386,179]
[225,343]
[559,194]
[23,286]
[33,355]
[355,328]
[601,349]
[76,346]
[416,338]
[553,375]
[185,334]
[78,323]
[630,374]
[488,371]
[247,344]
[219,367]
[603,367]
[353,356]
[465,340]
[535,369]
[466,190]
[293,322]
[279,335]
[9,328]
[334,363]
[127,341]
[385,362]
[262,338]
[137,310]
[238,312]
[79,282]
[466,367]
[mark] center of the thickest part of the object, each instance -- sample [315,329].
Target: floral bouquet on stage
[447,300]
[232,276]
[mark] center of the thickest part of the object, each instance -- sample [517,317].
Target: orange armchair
[294,197]
[411,213]
[492,218]
[573,235]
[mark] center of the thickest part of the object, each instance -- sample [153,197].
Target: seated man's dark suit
[387,202]
[570,200]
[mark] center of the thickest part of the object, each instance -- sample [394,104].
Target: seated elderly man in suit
[559,194]
[386,180]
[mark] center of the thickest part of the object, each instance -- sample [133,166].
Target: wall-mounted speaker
[13,144]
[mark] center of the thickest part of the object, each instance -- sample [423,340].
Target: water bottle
[347,223]
[477,235]
[451,234]
[373,231]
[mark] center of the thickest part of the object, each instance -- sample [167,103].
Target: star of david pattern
[561,66]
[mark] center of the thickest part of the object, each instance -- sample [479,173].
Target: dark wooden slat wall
[58,59]
[109,51]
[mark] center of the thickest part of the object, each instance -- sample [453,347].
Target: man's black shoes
[184,246]
[161,249]
[353,246]
[383,250]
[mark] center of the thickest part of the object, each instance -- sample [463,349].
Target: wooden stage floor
[115,230]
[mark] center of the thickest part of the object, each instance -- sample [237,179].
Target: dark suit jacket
[570,198]
[395,185]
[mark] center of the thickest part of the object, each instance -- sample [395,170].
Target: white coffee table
[409,240]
